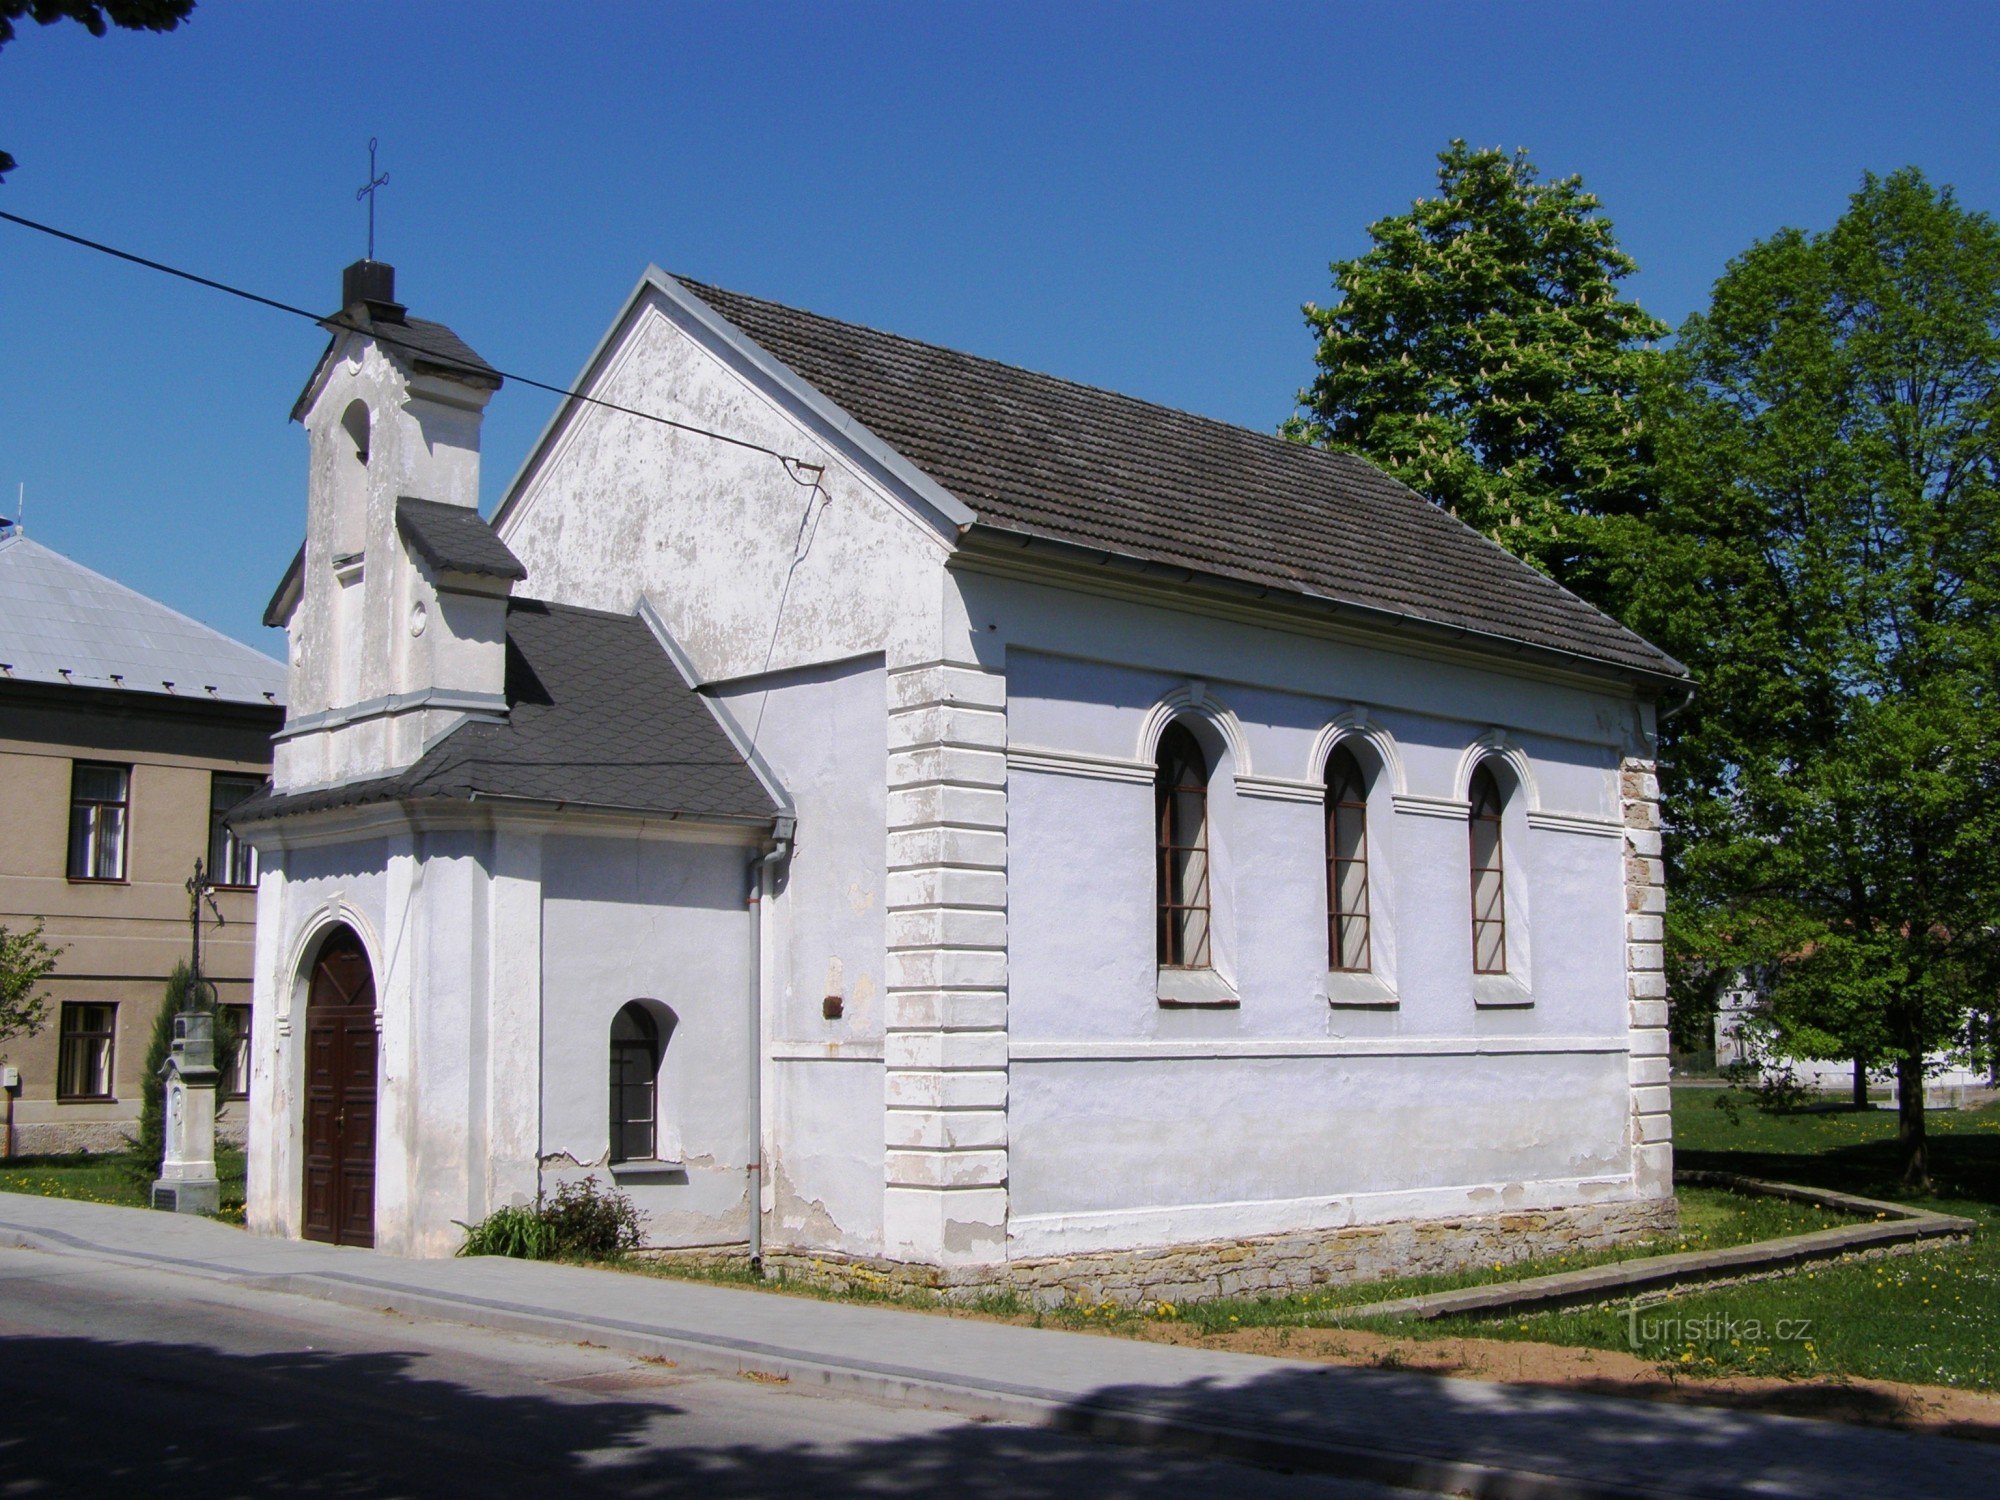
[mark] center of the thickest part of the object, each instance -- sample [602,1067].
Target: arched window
[635,1073]
[1489,896]
[1346,864]
[1180,804]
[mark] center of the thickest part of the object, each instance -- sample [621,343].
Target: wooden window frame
[1346,794]
[70,1036]
[78,802]
[1178,753]
[625,1050]
[222,842]
[1489,806]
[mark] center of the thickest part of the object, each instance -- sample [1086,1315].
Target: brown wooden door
[340,1094]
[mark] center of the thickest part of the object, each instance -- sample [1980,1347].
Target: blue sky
[1135,196]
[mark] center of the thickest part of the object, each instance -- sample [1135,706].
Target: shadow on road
[86,1417]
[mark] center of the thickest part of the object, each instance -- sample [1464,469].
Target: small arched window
[635,1074]
[1180,804]
[1346,864]
[1489,895]
[355,421]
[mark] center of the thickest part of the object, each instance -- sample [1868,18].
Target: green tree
[26,961]
[149,1146]
[1481,353]
[1825,555]
[96,17]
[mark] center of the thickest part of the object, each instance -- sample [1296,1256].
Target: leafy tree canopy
[1825,555]
[1480,352]
[25,962]
[96,17]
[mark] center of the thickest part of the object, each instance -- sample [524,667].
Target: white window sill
[1500,992]
[649,1171]
[1195,988]
[1349,989]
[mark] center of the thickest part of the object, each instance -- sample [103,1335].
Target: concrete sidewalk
[1423,1431]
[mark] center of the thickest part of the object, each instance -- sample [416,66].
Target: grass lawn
[1931,1317]
[111,1177]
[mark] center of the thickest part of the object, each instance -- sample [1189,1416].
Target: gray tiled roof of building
[60,622]
[418,341]
[598,717]
[1050,458]
[455,539]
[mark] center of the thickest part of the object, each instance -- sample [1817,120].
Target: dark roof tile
[455,539]
[598,717]
[1051,458]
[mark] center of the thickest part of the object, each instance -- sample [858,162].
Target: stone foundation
[65,1137]
[60,1138]
[1276,1265]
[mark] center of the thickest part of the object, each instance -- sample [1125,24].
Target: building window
[230,860]
[635,1089]
[236,1061]
[99,801]
[1346,864]
[1489,895]
[1180,798]
[83,1060]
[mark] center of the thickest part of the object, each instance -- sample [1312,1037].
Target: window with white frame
[635,1085]
[1489,881]
[1347,936]
[1180,804]
[230,860]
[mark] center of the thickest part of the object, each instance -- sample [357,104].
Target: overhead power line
[802,470]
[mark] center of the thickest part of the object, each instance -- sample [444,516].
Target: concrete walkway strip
[1396,1427]
[1893,1224]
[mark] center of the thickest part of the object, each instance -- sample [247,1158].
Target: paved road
[121,1381]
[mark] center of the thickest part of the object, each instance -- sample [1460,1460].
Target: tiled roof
[1039,455]
[598,717]
[422,344]
[455,539]
[62,623]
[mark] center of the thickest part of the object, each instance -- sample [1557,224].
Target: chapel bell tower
[396,610]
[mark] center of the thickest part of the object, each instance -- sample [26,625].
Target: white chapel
[906,811]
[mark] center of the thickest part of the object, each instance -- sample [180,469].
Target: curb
[1133,1425]
[1894,1224]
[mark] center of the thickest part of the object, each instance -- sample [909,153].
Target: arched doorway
[340,1093]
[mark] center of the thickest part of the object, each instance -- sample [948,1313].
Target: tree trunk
[1910,1121]
[1860,1083]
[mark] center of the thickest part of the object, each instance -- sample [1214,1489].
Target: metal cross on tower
[367,191]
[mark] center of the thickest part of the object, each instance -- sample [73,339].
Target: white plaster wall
[751,569]
[1308,1112]
[824,732]
[1130,1148]
[646,919]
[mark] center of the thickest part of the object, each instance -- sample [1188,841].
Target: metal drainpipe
[763,880]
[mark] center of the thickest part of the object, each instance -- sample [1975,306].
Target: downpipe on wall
[763,881]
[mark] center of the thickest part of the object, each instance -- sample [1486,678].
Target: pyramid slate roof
[599,716]
[60,622]
[455,539]
[1049,458]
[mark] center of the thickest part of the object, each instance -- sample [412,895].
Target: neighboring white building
[956,820]
[1738,1043]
